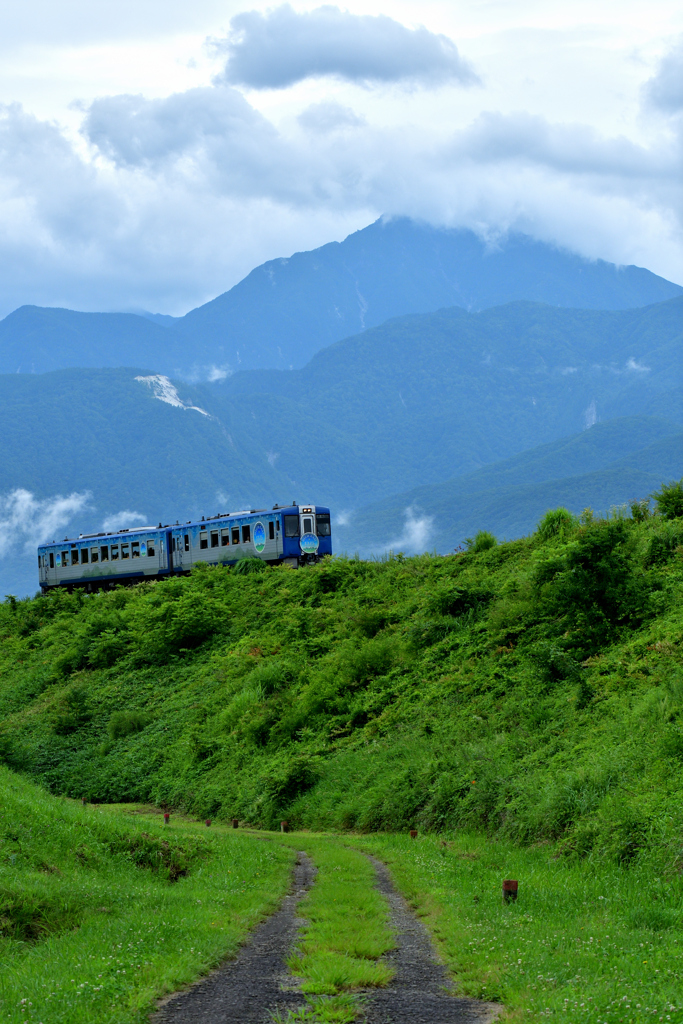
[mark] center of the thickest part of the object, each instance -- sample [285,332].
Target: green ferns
[531,689]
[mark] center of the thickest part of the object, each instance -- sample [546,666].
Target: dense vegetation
[530,689]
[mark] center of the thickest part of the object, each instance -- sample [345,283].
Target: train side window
[52,559]
[235,534]
[246,534]
[84,555]
[135,549]
[291,526]
[94,555]
[214,538]
[187,542]
[323,524]
[40,562]
[65,558]
[74,556]
[104,554]
[114,552]
[277,525]
[225,538]
[203,539]
[173,544]
[125,551]
[271,530]
[151,549]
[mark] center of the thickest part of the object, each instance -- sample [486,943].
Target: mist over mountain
[286,310]
[419,400]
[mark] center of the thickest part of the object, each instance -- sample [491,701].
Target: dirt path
[249,989]
[244,990]
[420,991]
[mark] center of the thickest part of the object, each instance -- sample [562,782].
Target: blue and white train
[291,534]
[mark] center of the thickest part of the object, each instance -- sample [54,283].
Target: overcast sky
[153,151]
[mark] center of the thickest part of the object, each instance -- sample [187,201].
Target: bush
[663,544]
[482,541]
[125,723]
[669,500]
[557,523]
[250,563]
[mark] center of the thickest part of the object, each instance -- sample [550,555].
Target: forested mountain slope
[532,689]
[286,310]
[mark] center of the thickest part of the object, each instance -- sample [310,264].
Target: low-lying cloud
[28,521]
[123,521]
[281,47]
[665,89]
[417,531]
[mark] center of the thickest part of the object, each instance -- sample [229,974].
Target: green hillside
[531,689]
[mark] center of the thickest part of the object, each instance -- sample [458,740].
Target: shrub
[250,563]
[482,541]
[640,510]
[663,544]
[124,723]
[669,500]
[557,523]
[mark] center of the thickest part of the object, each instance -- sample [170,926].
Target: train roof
[133,530]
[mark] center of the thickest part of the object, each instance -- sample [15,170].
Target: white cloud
[417,530]
[27,520]
[665,89]
[276,49]
[123,520]
[329,116]
[162,389]
[637,367]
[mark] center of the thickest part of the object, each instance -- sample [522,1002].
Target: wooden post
[166,817]
[208,822]
[413,833]
[284,826]
[509,890]
[235,823]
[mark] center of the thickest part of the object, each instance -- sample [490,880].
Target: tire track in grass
[250,988]
[420,991]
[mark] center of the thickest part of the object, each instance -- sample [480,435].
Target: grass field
[92,926]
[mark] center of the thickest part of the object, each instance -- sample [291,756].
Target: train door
[182,556]
[309,537]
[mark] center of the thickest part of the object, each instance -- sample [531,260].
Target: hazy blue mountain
[286,310]
[425,397]
[608,465]
[414,402]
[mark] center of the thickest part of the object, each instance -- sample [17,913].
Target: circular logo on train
[259,537]
[309,543]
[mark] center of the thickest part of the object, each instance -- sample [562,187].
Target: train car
[291,534]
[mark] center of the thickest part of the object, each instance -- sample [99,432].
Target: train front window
[291,526]
[323,524]
[308,525]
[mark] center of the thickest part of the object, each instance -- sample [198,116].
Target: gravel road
[249,989]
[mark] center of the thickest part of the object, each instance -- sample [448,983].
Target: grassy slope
[92,928]
[490,690]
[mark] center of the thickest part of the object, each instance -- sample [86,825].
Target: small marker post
[208,822]
[167,817]
[509,890]
[284,826]
[413,833]
[235,823]
[84,801]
